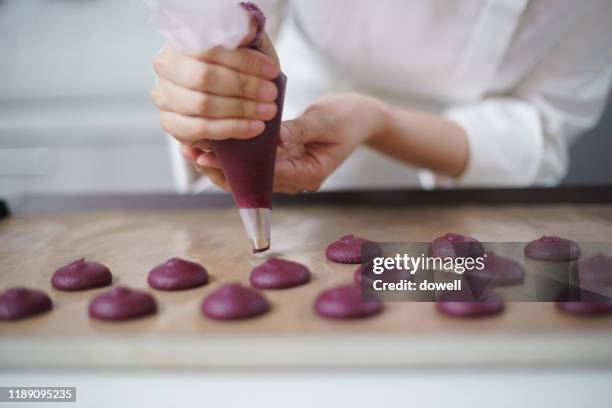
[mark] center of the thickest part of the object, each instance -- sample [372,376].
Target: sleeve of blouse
[522,138]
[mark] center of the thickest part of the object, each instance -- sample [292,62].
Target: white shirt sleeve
[522,138]
[186,178]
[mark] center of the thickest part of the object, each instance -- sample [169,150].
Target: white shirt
[522,77]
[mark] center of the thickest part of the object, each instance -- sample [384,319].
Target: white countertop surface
[520,387]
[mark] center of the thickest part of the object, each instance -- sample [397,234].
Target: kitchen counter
[131,234]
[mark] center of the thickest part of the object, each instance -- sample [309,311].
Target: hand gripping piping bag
[195,26]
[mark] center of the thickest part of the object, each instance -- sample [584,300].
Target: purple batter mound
[450,306]
[482,282]
[364,273]
[348,250]
[596,269]
[233,302]
[357,277]
[121,303]
[344,302]
[279,274]
[81,275]
[510,272]
[18,303]
[178,274]
[553,249]
[585,308]
[454,245]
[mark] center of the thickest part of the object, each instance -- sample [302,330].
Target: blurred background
[75,114]
[75,117]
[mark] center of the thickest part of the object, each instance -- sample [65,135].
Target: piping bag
[195,26]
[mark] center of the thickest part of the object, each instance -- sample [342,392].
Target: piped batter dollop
[345,302]
[455,307]
[585,309]
[347,250]
[81,275]
[122,303]
[453,245]
[552,249]
[503,271]
[596,269]
[234,301]
[18,303]
[278,273]
[178,274]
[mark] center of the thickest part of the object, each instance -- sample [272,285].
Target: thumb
[251,37]
[263,44]
[266,46]
[300,131]
[257,37]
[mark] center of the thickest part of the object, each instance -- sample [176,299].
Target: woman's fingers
[170,97]
[287,189]
[203,145]
[190,153]
[216,176]
[208,164]
[305,173]
[208,159]
[202,99]
[197,75]
[190,130]
[307,128]
[245,60]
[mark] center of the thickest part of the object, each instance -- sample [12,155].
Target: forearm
[423,140]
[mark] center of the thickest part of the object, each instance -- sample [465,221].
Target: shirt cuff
[186,178]
[505,144]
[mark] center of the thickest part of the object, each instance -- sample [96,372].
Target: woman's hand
[313,145]
[217,95]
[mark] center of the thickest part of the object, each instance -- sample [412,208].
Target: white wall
[75,115]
